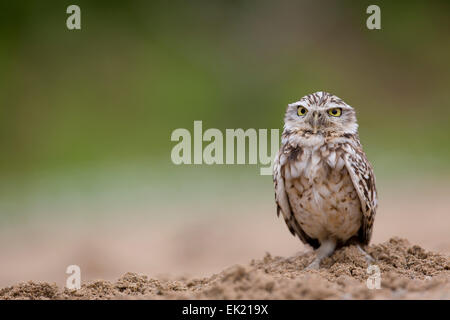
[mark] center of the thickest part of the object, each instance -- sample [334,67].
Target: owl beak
[315,122]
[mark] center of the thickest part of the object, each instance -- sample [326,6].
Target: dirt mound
[406,271]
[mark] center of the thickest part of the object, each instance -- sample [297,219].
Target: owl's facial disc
[320,113]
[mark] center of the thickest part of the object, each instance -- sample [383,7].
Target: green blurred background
[86,116]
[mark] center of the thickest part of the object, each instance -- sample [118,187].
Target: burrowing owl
[324,184]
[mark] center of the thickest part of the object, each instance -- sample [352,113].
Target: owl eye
[301,111]
[335,112]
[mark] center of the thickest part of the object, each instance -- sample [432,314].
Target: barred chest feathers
[320,191]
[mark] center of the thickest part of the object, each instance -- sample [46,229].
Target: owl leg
[368,257]
[325,250]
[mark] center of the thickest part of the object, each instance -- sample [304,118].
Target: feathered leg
[368,257]
[325,250]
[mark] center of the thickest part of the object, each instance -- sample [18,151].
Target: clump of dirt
[406,271]
[30,290]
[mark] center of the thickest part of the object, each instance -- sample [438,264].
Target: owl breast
[321,193]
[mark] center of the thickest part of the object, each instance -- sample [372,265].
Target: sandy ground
[406,272]
[213,256]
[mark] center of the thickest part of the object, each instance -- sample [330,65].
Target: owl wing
[363,179]
[282,201]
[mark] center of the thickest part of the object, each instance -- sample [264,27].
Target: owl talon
[369,259]
[325,250]
[315,265]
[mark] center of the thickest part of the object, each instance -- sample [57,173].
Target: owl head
[321,113]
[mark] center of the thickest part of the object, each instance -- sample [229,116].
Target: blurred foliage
[114,91]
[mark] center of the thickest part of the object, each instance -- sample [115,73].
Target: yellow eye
[301,111]
[335,112]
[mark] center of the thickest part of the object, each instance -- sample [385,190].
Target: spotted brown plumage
[324,184]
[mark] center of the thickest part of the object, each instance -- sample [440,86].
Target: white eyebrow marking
[298,103]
